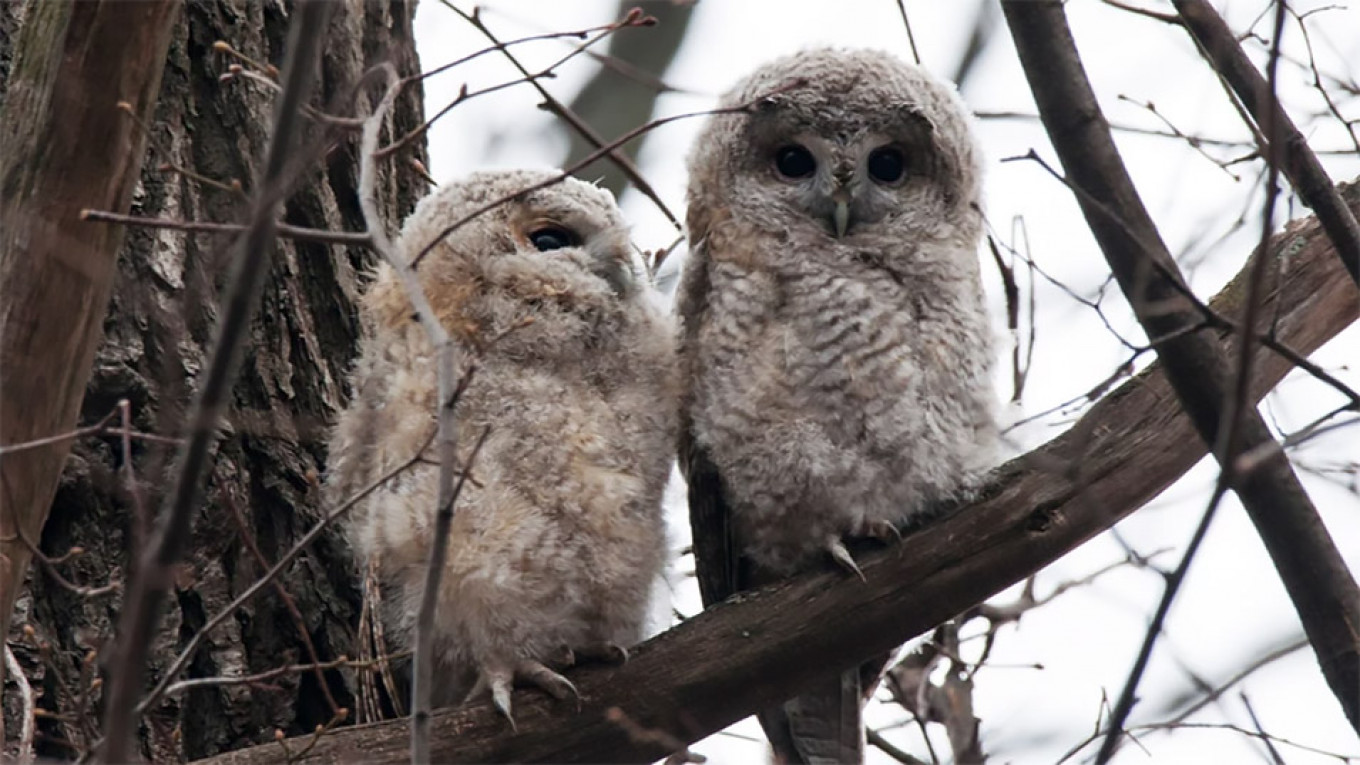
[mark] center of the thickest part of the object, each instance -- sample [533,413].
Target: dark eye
[794,162]
[551,238]
[886,164]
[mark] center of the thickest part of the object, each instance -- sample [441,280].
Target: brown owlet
[836,346]
[558,535]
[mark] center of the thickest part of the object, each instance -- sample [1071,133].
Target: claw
[608,653]
[842,558]
[884,531]
[500,682]
[535,673]
[564,658]
[500,696]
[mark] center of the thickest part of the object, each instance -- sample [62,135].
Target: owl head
[846,141]
[571,223]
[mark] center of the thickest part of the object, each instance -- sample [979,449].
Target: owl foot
[843,558]
[605,653]
[884,531]
[501,680]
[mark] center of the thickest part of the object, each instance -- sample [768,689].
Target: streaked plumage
[836,347]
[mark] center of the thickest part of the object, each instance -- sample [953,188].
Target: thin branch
[589,158]
[153,575]
[1319,584]
[269,576]
[26,707]
[342,662]
[695,679]
[604,148]
[208,227]
[1296,160]
[446,360]
[289,604]
[1263,661]
[911,38]
[1122,707]
[887,747]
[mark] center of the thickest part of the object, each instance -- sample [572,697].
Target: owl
[835,345]
[557,535]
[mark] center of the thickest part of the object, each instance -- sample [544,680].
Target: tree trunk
[292,382]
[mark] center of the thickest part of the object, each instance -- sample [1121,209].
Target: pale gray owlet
[836,346]
[558,536]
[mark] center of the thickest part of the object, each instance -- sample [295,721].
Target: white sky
[1232,605]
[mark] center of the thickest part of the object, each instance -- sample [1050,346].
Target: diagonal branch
[1295,159]
[698,677]
[1318,582]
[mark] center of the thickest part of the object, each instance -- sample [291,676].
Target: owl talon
[607,653]
[884,531]
[500,682]
[538,675]
[843,558]
[564,658]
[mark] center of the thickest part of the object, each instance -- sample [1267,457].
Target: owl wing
[716,553]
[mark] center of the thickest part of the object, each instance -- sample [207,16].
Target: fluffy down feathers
[558,537]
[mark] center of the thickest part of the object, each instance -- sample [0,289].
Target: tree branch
[1307,560]
[152,577]
[1298,162]
[696,679]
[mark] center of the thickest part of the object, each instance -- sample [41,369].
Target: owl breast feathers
[836,344]
[558,535]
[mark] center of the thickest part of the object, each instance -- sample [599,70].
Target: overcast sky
[1232,607]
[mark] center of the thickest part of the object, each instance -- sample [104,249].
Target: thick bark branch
[66,147]
[1318,582]
[768,645]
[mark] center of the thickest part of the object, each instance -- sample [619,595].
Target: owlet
[836,346]
[558,535]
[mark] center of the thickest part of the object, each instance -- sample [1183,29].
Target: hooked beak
[840,217]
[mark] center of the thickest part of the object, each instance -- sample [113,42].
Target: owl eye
[794,161]
[551,238]
[886,164]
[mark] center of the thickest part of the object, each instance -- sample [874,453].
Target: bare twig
[602,151]
[1297,162]
[887,747]
[1319,584]
[207,227]
[289,604]
[153,576]
[1265,739]
[911,38]
[1214,693]
[422,674]
[604,148]
[26,707]
[269,576]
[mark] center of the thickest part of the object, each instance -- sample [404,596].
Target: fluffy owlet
[558,535]
[836,347]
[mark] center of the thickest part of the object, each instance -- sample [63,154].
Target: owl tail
[823,726]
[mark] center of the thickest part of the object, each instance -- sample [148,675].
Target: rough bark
[64,146]
[770,644]
[291,383]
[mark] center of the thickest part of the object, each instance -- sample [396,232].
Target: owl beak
[840,217]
